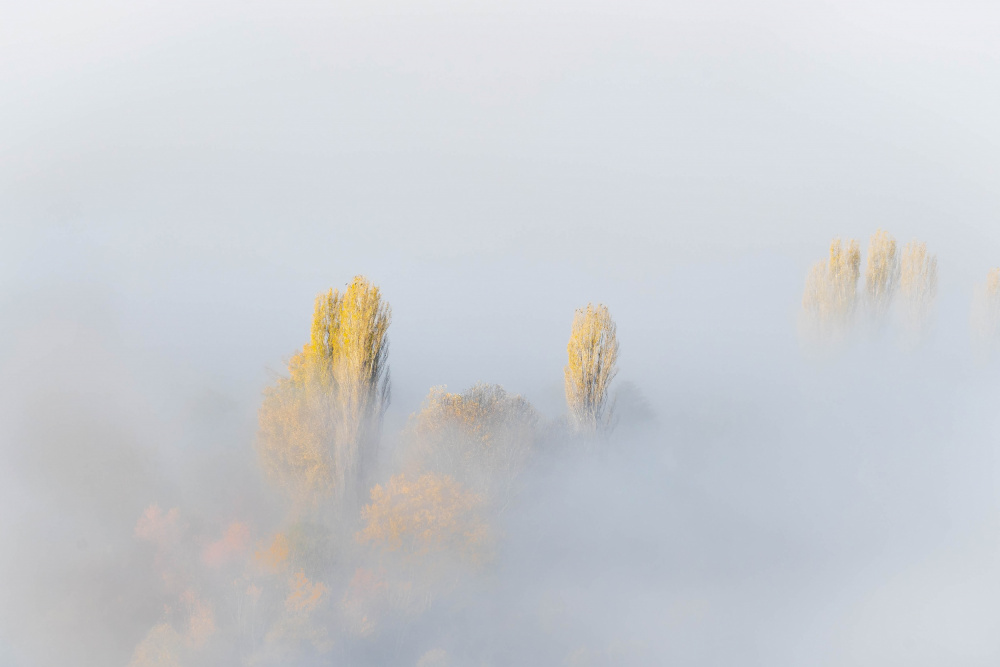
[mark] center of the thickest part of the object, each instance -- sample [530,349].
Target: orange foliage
[163,646]
[160,647]
[157,527]
[305,595]
[201,620]
[362,600]
[274,557]
[233,543]
[297,624]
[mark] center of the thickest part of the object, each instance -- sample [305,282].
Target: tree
[918,287]
[593,356]
[427,515]
[881,275]
[986,313]
[320,427]
[830,299]
[361,377]
[482,437]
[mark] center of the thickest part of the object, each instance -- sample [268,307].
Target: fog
[179,181]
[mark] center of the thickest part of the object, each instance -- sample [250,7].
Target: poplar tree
[918,288]
[830,299]
[592,365]
[986,313]
[881,275]
[320,427]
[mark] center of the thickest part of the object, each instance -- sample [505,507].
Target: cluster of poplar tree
[902,281]
[320,427]
[435,513]
[366,547]
[833,304]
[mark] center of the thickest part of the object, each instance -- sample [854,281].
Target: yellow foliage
[201,620]
[361,375]
[305,595]
[319,428]
[304,598]
[482,437]
[427,515]
[593,354]
[881,274]
[295,439]
[986,312]
[830,298]
[918,287]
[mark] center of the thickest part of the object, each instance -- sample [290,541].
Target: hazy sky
[226,161]
[179,179]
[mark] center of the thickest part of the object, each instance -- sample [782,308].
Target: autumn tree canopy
[320,427]
[482,437]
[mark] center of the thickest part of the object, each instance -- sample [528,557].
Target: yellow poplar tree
[881,275]
[320,427]
[918,288]
[830,299]
[593,355]
[986,312]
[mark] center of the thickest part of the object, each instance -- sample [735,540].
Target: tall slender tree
[320,427]
[881,276]
[986,313]
[918,287]
[592,365]
[830,299]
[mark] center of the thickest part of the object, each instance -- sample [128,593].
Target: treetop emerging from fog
[592,365]
[320,427]
[831,302]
